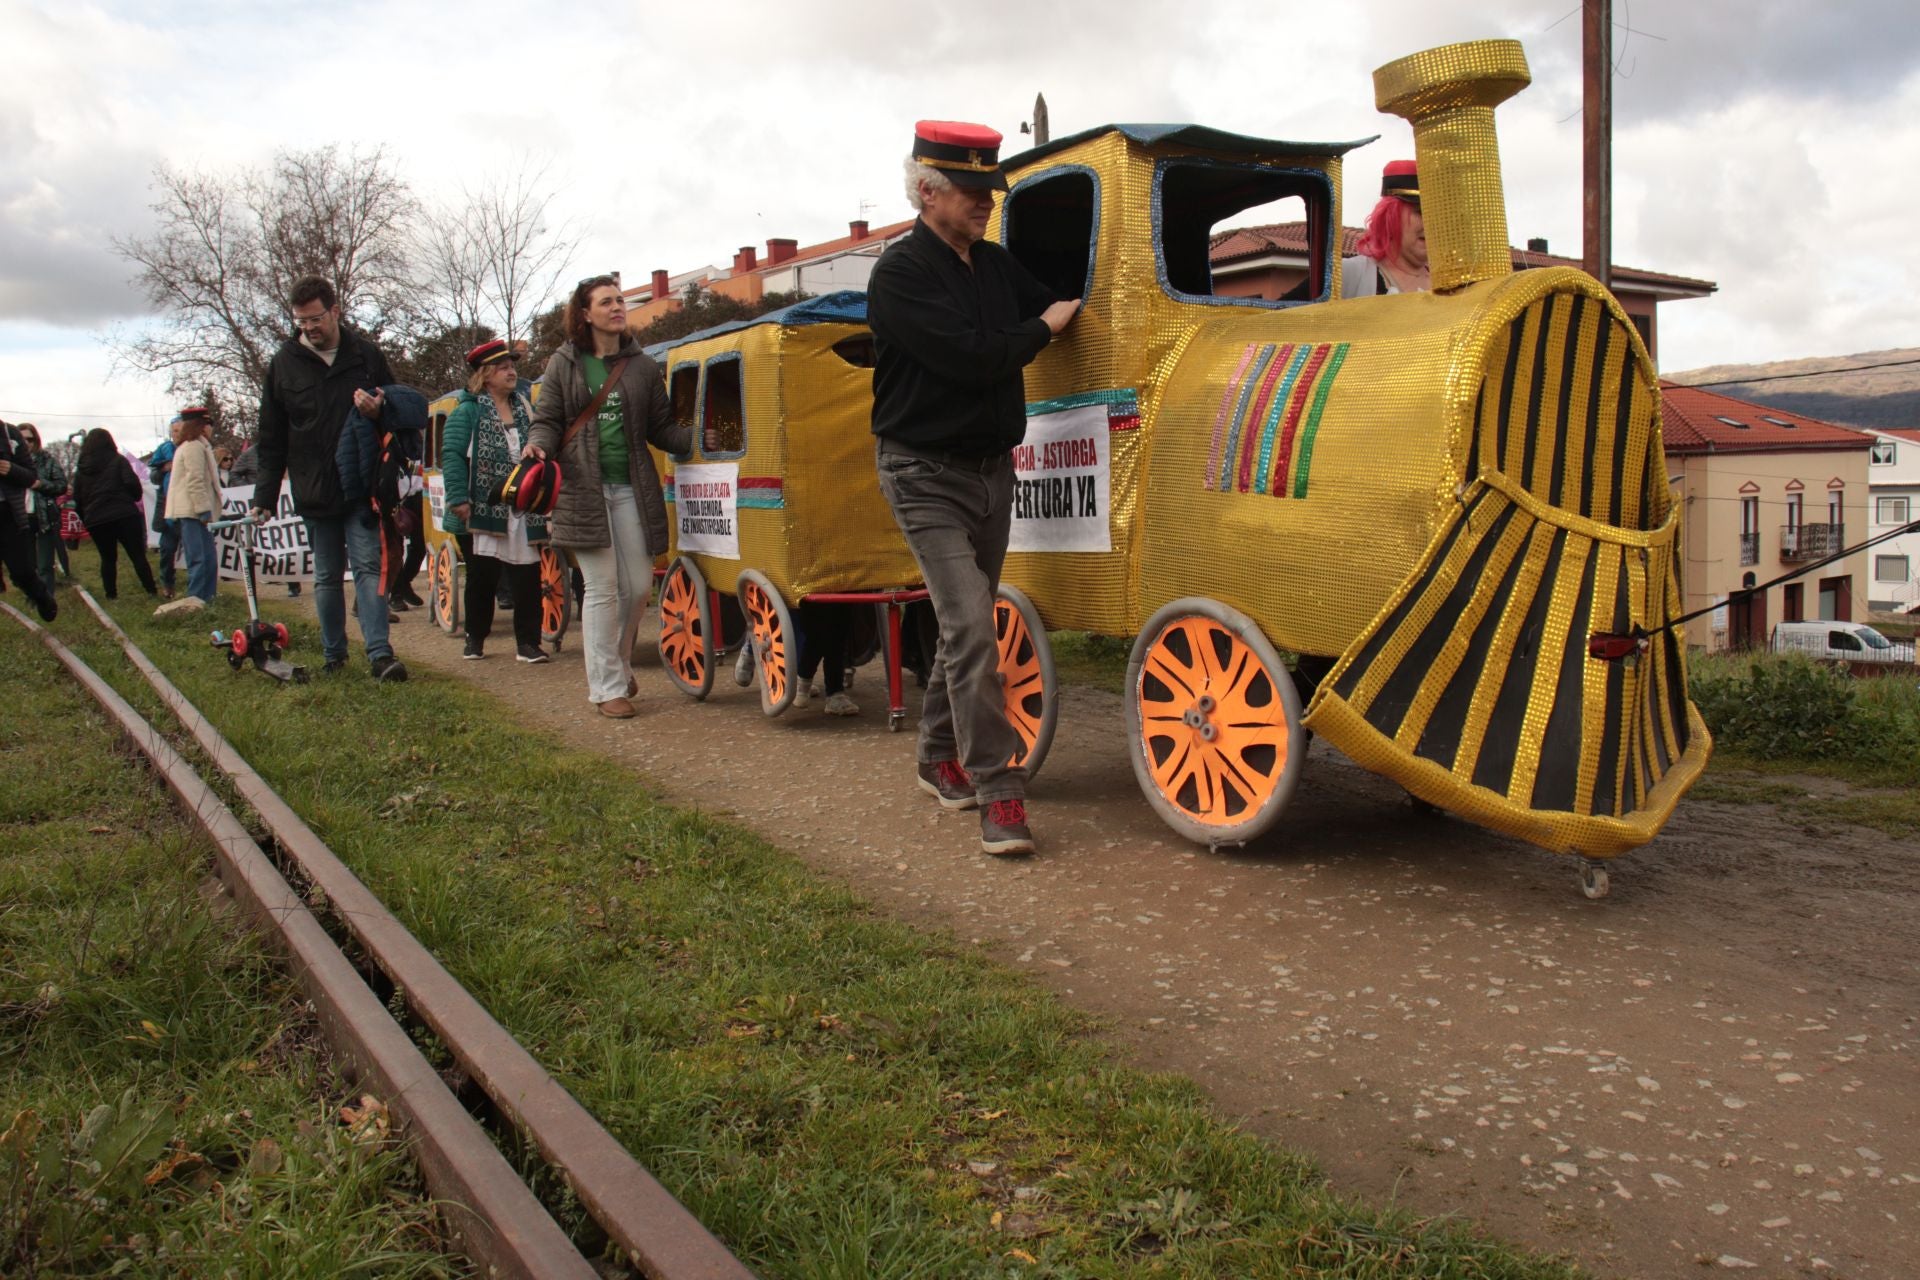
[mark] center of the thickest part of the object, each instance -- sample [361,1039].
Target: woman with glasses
[483,436]
[611,513]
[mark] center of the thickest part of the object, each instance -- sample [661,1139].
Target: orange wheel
[556,601]
[443,582]
[686,632]
[770,631]
[1213,723]
[1027,675]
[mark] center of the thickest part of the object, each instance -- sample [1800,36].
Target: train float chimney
[1448,95]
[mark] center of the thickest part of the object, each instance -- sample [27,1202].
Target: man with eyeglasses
[317,377]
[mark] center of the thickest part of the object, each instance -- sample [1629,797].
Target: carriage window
[683,391]
[723,419]
[856,350]
[1197,199]
[1049,224]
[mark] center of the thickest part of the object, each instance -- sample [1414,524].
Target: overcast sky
[1767,145]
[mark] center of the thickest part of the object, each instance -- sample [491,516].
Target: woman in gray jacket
[611,513]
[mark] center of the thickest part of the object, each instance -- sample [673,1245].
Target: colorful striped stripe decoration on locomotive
[1263,436]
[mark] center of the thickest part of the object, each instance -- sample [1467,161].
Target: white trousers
[618,580]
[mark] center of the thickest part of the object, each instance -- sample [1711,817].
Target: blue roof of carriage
[848,306]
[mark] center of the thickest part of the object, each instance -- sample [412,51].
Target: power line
[1810,373]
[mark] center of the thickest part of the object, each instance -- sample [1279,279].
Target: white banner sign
[280,549]
[706,507]
[1061,483]
[437,501]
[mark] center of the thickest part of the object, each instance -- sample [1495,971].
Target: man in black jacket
[318,376]
[955,320]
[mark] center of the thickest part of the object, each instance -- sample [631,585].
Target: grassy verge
[1080,657]
[833,1094]
[168,1108]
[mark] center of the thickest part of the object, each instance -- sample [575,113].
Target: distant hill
[1839,390]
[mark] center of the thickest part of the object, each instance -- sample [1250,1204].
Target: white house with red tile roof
[1764,492]
[1893,482]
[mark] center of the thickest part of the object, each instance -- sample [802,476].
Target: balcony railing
[1810,541]
[1749,548]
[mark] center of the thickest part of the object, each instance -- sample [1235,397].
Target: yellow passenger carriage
[778,502]
[445,572]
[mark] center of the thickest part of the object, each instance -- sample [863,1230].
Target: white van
[1839,641]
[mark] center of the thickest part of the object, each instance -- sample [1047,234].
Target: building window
[1883,453]
[1793,603]
[1793,510]
[1194,196]
[723,419]
[1749,515]
[1732,422]
[1890,569]
[1891,510]
[1050,223]
[1836,503]
[1644,325]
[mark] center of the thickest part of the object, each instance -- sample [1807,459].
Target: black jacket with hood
[303,408]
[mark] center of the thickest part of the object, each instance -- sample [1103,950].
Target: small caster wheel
[1593,879]
[894,720]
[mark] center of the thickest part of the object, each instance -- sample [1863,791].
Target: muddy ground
[1711,1069]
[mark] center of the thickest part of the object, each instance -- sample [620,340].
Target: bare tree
[229,246]
[496,259]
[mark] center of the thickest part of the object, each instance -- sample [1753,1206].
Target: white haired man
[955,319]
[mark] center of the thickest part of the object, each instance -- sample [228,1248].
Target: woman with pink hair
[1391,254]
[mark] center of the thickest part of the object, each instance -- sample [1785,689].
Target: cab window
[1196,199]
[1049,223]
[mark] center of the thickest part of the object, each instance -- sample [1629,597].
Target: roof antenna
[1039,126]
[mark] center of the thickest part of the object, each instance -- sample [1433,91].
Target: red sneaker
[947,782]
[1003,828]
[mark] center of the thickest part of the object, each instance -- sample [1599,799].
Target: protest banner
[1061,482]
[280,549]
[707,508]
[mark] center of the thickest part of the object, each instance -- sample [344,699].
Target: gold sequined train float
[1431,502]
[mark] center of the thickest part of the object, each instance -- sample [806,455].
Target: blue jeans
[169,546]
[337,541]
[203,564]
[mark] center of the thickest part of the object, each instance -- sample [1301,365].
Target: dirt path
[1714,1067]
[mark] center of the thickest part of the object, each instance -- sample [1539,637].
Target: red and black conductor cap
[1401,180]
[194,413]
[968,154]
[489,353]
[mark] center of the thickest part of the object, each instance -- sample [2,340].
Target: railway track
[496,1220]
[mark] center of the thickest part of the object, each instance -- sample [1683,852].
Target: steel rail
[663,1239]
[497,1220]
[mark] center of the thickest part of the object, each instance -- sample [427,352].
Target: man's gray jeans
[956,513]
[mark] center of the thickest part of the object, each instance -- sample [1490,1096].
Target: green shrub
[1786,706]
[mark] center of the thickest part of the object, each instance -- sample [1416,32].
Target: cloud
[1756,140]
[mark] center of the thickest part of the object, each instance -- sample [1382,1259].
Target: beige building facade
[1763,493]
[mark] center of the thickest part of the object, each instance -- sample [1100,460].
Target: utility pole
[1596,47]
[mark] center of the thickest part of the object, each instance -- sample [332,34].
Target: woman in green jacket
[483,437]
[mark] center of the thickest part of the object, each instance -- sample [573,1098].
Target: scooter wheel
[280,633]
[240,645]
